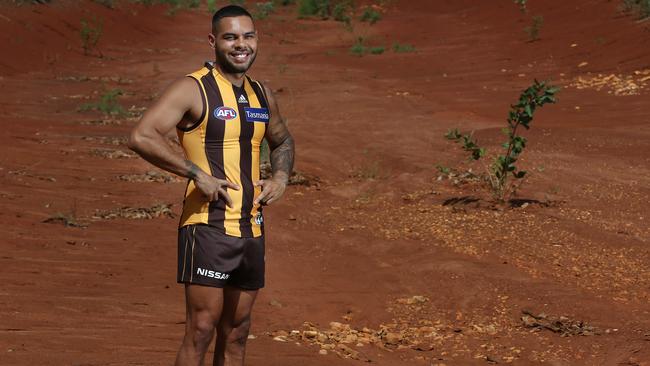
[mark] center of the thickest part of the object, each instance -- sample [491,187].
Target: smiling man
[221,116]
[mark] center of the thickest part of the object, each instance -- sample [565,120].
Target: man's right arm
[182,100]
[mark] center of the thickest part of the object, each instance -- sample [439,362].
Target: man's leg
[204,305]
[233,327]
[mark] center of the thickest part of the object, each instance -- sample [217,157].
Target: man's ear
[212,40]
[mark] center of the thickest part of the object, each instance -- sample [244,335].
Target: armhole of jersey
[266,98]
[203,111]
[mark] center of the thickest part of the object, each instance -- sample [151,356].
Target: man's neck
[236,79]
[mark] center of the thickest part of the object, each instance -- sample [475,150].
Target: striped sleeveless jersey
[225,142]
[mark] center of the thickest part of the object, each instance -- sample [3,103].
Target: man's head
[234,39]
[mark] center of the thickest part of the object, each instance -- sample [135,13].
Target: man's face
[235,43]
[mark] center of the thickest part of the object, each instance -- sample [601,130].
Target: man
[221,116]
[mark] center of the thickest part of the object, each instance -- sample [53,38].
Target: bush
[90,33]
[403,48]
[107,104]
[534,28]
[503,167]
[370,15]
[264,9]
[308,8]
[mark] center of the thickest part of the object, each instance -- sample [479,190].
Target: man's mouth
[240,56]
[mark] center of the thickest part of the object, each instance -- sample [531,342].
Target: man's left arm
[282,155]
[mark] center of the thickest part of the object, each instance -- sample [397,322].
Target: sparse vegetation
[108,103]
[533,30]
[370,15]
[310,8]
[359,48]
[212,6]
[341,11]
[263,9]
[377,50]
[91,31]
[503,167]
[640,7]
[403,48]
[522,5]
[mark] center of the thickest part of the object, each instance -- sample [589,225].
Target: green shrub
[503,167]
[212,6]
[534,28]
[263,9]
[358,48]
[377,50]
[370,15]
[403,48]
[107,104]
[309,8]
[341,11]
[90,33]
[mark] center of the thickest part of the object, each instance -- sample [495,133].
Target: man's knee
[237,334]
[201,329]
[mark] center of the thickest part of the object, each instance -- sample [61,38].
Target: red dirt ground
[376,243]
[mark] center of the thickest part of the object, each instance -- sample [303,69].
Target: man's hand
[212,187]
[272,190]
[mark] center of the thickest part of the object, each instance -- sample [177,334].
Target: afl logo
[259,219]
[224,113]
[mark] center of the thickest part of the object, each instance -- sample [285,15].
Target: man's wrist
[193,170]
[281,177]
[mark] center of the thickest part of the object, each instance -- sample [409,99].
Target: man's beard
[228,67]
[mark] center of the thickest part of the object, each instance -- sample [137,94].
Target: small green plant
[403,48]
[533,30]
[107,104]
[522,5]
[264,9]
[212,6]
[377,50]
[358,48]
[503,167]
[91,31]
[341,11]
[310,8]
[370,15]
[641,7]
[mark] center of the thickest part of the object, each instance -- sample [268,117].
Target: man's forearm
[282,159]
[157,152]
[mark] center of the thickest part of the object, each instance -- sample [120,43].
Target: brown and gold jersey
[225,142]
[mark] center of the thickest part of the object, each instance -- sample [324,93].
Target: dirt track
[376,243]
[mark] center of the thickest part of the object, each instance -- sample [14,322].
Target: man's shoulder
[198,74]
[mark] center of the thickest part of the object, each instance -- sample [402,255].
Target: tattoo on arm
[192,169]
[282,158]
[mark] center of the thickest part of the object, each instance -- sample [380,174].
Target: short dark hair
[227,12]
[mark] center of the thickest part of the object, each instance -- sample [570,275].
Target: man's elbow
[136,140]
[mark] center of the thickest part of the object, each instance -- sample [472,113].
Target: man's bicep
[277,131]
[166,113]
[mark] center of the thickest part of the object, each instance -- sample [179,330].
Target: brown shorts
[207,256]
